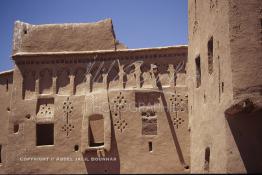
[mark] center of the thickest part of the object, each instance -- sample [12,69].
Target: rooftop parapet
[69,37]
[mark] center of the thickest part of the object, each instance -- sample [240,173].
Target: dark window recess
[44,134]
[198,72]
[150,146]
[76,148]
[28,116]
[222,87]
[93,143]
[207,159]
[0,153]
[210,55]
[96,131]
[16,128]
[186,167]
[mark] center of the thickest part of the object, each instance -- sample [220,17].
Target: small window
[207,159]
[222,86]
[150,146]
[198,72]
[76,148]
[96,130]
[28,116]
[16,128]
[210,55]
[44,134]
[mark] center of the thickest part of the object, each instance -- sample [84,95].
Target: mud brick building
[79,101]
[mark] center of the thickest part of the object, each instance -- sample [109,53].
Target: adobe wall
[139,97]
[64,37]
[226,105]
[246,47]
[6,83]
[244,115]
[208,100]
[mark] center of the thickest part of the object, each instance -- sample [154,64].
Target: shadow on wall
[5,81]
[173,132]
[112,163]
[246,128]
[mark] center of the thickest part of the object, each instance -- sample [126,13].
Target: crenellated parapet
[80,74]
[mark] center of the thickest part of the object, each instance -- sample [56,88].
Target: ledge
[28,54]
[7,72]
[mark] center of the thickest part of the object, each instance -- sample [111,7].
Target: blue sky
[137,23]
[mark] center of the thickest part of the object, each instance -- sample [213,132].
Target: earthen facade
[93,107]
[224,79]
[79,101]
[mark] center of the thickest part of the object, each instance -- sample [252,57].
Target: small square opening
[44,134]
[76,148]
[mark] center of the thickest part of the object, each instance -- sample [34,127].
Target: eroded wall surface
[64,37]
[123,111]
[224,68]
[207,100]
[6,82]
[244,116]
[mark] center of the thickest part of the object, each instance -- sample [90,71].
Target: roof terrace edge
[31,54]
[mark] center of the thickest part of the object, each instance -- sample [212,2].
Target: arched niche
[80,82]
[96,130]
[98,77]
[130,76]
[29,83]
[45,81]
[96,73]
[164,74]
[146,75]
[113,77]
[63,82]
[207,159]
